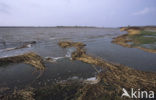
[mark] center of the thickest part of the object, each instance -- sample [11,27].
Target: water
[98,41]
[22,75]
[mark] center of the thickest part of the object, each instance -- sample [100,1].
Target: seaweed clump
[28,58]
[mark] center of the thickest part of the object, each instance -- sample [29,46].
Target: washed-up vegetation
[137,37]
[28,58]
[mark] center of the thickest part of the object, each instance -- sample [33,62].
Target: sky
[102,13]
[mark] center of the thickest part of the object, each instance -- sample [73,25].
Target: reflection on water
[132,57]
[22,75]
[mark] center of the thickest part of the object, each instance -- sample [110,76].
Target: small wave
[68,55]
[57,58]
[53,59]
[15,48]
[69,52]
[92,80]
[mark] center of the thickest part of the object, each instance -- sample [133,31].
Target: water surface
[98,41]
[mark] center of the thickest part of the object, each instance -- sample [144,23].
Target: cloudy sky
[106,13]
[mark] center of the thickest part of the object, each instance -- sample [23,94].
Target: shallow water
[17,76]
[98,42]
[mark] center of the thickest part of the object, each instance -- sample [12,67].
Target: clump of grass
[65,44]
[28,58]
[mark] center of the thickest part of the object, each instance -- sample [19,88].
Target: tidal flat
[71,64]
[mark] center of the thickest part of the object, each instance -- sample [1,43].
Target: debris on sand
[28,58]
[112,79]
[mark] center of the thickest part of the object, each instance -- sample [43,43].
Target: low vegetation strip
[28,58]
[137,38]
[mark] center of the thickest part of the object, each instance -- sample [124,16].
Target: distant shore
[137,37]
[49,27]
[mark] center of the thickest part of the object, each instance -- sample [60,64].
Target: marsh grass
[28,58]
[144,37]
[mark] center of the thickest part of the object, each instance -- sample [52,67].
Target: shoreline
[132,31]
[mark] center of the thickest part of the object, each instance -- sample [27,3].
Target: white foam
[29,45]
[92,80]
[69,52]
[57,58]
[54,59]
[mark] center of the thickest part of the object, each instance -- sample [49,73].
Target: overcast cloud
[106,13]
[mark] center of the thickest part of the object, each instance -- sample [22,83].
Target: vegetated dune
[28,58]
